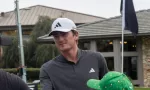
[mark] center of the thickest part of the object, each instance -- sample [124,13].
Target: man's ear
[76,34]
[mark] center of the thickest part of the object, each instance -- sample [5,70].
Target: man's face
[65,40]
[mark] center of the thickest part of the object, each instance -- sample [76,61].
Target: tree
[11,56]
[41,53]
[35,54]
[41,27]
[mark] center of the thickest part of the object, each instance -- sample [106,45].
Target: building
[30,15]
[105,36]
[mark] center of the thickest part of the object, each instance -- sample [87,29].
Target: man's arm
[23,85]
[45,80]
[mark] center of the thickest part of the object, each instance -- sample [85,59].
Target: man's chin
[64,49]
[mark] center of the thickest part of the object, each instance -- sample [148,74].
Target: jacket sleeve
[45,81]
[103,69]
[23,85]
[16,83]
[11,82]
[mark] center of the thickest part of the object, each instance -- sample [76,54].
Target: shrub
[32,73]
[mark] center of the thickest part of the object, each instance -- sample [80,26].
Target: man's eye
[56,36]
[63,34]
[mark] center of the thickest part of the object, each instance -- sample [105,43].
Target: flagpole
[123,25]
[20,41]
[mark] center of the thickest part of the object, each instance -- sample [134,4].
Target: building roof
[113,26]
[30,15]
[110,27]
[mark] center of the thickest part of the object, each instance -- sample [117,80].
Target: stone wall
[146,60]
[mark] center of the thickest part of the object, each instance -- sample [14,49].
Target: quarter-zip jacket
[61,74]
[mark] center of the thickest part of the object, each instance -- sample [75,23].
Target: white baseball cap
[62,25]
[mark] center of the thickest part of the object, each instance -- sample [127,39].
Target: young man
[71,69]
[10,81]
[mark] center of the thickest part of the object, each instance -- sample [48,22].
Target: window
[26,32]
[10,33]
[14,32]
[84,45]
[110,63]
[129,45]
[104,45]
[130,67]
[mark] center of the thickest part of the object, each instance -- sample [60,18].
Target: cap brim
[5,41]
[94,84]
[59,30]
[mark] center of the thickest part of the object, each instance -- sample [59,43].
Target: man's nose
[60,37]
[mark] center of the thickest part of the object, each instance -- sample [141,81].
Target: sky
[102,8]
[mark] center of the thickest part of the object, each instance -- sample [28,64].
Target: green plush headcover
[111,81]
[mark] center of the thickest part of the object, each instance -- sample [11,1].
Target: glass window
[129,45]
[10,33]
[84,45]
[104,45]
[130,67]
[26,32]
[110,63]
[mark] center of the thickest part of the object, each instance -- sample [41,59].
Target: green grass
[137,88]
[134,88]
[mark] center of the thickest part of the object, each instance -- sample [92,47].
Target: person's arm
[102,66]
[15,82]
[45,80]
[23,85]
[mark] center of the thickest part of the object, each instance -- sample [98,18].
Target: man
[71,69]
[10,81]
[111,81]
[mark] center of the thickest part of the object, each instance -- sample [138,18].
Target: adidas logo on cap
[58,25]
